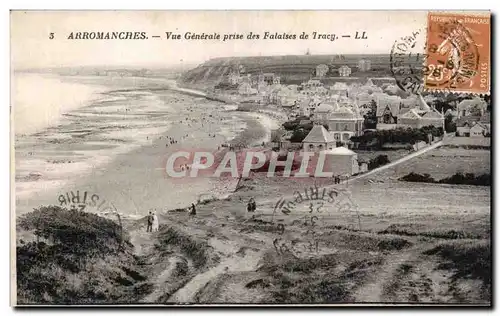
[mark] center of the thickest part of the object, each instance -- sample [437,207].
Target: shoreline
[195,136]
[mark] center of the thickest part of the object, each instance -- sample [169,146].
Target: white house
[479,130]
[364,65]
[321,70]
[472,128]
[341,161]
[343,119]
[318,139]
[344,71]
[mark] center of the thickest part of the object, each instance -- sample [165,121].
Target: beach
[115,144]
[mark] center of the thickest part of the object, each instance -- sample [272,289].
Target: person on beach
[149,228]
[156,225]
[193,209]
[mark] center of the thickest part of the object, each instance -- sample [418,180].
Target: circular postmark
[406,62]
[83,200]
[302,219]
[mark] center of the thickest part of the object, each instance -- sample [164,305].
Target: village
[340,115]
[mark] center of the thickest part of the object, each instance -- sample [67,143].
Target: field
[442,163]
[469,141]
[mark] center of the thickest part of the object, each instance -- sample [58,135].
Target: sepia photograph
[250,158]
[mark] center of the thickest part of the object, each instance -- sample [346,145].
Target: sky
[32,48]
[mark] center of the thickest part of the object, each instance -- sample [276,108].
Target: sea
[64,130]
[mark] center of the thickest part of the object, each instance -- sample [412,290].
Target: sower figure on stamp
[149,228]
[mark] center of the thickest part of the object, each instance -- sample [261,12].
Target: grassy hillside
[72,257]
[293,69]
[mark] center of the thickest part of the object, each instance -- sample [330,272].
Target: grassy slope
[72,257]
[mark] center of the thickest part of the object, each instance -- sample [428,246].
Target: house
[479,130]
[364,65]
[321,70]
[388,114]
[415,118]
[341,161]
[466,123]
[422,116]
[343,119]
[472,107]
[318,139]
[344,71]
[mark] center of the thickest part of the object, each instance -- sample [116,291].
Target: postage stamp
[458,53]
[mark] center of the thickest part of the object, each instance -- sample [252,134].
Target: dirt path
[233,264]
[372,292]
[163,278]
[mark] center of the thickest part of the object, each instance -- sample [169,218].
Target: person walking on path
[193,209]
[149,228]
[156,224]
[252,206]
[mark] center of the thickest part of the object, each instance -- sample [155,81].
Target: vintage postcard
[326,158]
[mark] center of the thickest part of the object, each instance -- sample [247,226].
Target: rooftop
[319,134]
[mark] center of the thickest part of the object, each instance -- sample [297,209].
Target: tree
[449,125]
[298,135]
[371,116]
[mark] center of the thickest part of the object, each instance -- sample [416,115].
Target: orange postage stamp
[458,53]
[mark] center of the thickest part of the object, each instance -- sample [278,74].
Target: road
[397,162]
[382,168]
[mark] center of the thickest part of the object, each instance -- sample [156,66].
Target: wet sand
[134,181]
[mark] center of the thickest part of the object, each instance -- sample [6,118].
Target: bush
[291,125]
[84,231]
[76,262]
[415,177]
[402,135]
[457,178]
[378,161]
[298,135]
[468,178]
